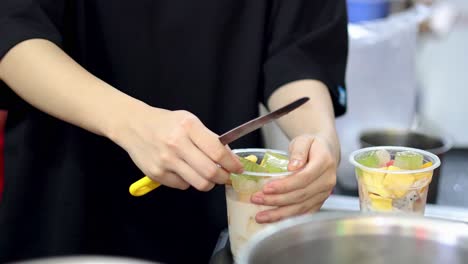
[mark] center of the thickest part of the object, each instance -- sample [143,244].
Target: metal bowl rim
[429,223]
[446,139]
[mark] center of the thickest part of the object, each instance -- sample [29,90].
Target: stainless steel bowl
[85,260]
[329,238]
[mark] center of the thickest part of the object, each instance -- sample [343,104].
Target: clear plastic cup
[241,212]
[390,189]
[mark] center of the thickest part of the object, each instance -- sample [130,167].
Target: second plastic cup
[389,188]
[241,212]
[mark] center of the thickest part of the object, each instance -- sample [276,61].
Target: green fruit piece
[408,160]
[384,157]
[245,183]
[251,166]
[369,159]
[274,162]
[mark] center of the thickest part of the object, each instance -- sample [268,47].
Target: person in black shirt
[102,92]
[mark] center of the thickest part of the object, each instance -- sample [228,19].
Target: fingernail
[263,217]
[269,189]
[295,163]
[257,199]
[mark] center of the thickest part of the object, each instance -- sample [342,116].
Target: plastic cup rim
[435,165]
[263,174]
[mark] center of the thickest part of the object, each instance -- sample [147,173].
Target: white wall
[443,73]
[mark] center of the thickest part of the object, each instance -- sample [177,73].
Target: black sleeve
[308,39]
[27,19]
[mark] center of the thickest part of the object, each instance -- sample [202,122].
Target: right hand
[175,149]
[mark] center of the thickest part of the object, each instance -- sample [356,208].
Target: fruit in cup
[241,212]
[271,163]
[275,162]
[387,191]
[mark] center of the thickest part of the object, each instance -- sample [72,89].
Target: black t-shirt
[66,190]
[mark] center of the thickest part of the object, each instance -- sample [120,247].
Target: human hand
[305,191]
[175,149]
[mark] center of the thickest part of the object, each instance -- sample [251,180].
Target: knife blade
[258,122]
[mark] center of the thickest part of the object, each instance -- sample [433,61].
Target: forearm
[315,117]
[47,78]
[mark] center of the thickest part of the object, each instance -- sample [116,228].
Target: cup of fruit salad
[393,179]
[260,167]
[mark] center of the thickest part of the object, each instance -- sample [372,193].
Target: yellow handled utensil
[145,184]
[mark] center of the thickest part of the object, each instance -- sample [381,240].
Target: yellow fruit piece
[380,203]
[423,175]
[427,165]
[252,158]
[398,184]
[393,168]
[374,183]
[380,190]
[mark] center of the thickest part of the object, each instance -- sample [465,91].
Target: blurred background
[407,85]
[407,82]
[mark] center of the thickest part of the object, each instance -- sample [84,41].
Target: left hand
[314,177]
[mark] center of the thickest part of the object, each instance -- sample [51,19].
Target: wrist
[121,120]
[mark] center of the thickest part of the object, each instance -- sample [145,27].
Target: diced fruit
[252,158]
[398,184]
[412,196]
[374,159]
[408,160]
[423,175]
[274,162]
[374,182]
[369,159]
[427,165]
[422,190]
[400,203]
[380,190]
[390,163]
[383,156]
[393,168]
[244,183]
[251,166]
[380,203]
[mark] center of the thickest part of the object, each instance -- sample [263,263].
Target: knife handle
[143,186]
[146,185]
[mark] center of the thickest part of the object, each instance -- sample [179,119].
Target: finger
[167,178]
[170,179]
[209,143]
[273,215]
[299,152]
[201,163]
[296,181]
[294,197]
[323,184]
[191,176]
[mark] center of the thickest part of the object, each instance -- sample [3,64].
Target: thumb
[299,150]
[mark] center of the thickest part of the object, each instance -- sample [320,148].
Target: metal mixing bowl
[85,260]
[335,238]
